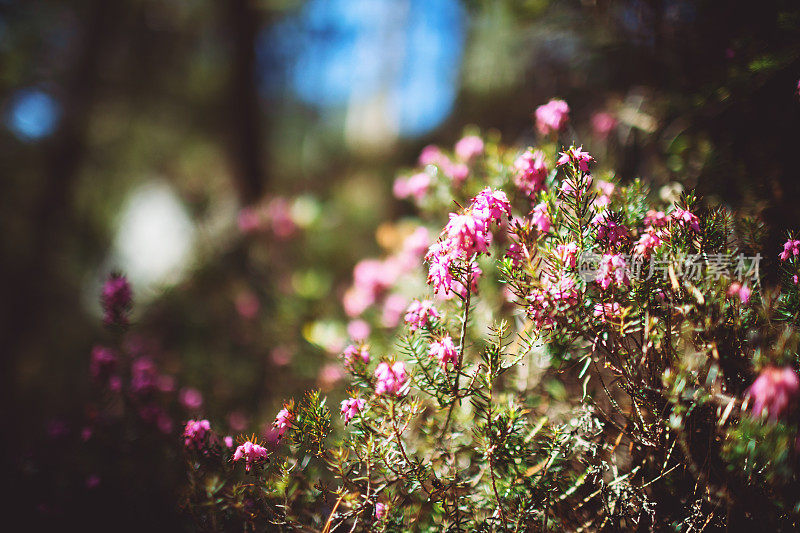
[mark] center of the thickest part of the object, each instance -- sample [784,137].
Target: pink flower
[416,186]
[393,309]
[743,292]
[656,219]
[439,276]
[351,407]
[279,213]
[391,379]
[547,302]
[540,219]
[380,511]
[102,364]
[791,248]
[144,376]
[567,253]
[249,221]
[354,353]
[610,232]
[568,186]
[456,172]
[469,233]
[552,116]
[775,392]
[469,147]
[530,172]
[612,270]
[358,330]
[329,375]
[419,314]
[649,241]
[686,218]
[606,188]
[431,155]
[444,350]
[577,157]
[116,299]
[357,300]
[228,441]
[191,398]
[602,124]
[247,305]
[491,205]
[251,453]
[195,432]
[283,421]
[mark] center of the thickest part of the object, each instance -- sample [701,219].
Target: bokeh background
[139,135]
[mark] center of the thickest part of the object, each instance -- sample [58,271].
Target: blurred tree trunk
[38,276]
[242,101]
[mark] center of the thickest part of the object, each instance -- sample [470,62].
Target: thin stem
[461,343]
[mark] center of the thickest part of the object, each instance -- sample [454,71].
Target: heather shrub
[542,348]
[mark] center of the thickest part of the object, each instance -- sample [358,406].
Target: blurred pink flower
[380,511]
[103,363]
[603,123]
[530,172]
[329,375]
[190,398]
[456,172]
[280,356]
[249,220]
[552,116]
[117,299]
[431,155]
[741,291]
[419,313]
[469,147]
[247,304]
[393,309]
[415,186]
[279,214]
[775,392]
[358,330]
[237,421]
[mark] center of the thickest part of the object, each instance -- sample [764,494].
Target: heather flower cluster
[420,314]
[557,398]
[391,379]
[251,453]
[283,421]
[531,172]
[465,236]
[195,433]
